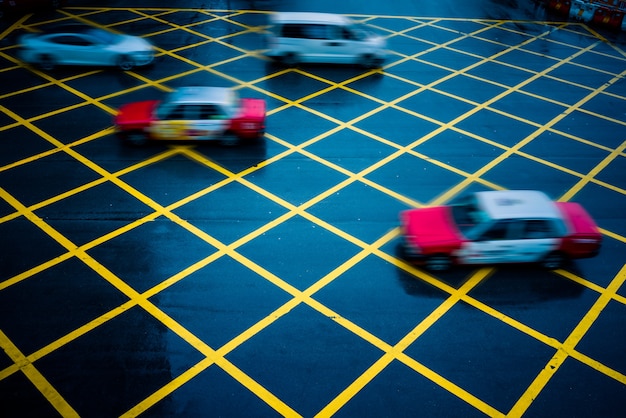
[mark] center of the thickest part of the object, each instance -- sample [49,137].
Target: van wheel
[290,59]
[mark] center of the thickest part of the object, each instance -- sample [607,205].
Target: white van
[323,38]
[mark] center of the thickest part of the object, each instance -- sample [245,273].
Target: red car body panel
[432,230]
[250,119]
[583,238]
[136,116]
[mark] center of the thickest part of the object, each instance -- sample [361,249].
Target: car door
[206,121]
[172,123]
[316,45]
[341,47]
[70,49]
[537,237]
[494,245]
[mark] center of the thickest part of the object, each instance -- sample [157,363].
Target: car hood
[431,226]
[136,113]
[131,43]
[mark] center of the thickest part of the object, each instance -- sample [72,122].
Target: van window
[294,30]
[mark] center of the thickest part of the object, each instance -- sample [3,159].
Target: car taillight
[586,241]
[249,125]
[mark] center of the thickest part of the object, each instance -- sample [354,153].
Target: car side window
[176,113]
[290,30]
[209,111]
[538,229]
[71,40]
[316,31]
[350,34]
[497,231]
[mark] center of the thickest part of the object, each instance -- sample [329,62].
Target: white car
[78,44]
[296,37]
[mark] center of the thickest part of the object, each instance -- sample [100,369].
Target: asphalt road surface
[264,279]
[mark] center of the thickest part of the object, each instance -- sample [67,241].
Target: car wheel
[438,262]
[229,139]
[553,261]
[46,62]
[135,138]
[125,63]
[290,59]
[368,61]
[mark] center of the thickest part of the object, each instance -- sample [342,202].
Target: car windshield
[467,215]
[359,32]
[103,36]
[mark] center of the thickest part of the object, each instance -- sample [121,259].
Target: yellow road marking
[298,297]
[568,346]
[37,379]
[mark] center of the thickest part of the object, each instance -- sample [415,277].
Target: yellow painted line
[594,172]
[568,346]
[396,352]
[140,299]
[261,390]
[268,397]
[37,379]
[14,26]
[461,393]
[613,235]
[79,94]
[596,365]
[34,270]
[166,390]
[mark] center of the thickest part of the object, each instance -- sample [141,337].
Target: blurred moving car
[193,113]
[323,38]
[509,226]
[22,6]
[78,44]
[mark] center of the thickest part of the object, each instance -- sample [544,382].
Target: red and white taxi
[508,226]
[193,113]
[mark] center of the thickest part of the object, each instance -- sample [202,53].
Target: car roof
[202,95]
[517,204]
[308,17]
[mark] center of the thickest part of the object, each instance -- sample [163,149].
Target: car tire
[135,138]
[368,61]
[125,63]
[46,62]
[229,139]
[290,59]
[438,262]
[553,261]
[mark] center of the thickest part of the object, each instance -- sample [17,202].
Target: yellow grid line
[301,210]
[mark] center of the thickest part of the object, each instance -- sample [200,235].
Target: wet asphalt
[264,279]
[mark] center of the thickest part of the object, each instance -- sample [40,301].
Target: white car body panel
[506,251]
[92,50]
[338,41]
